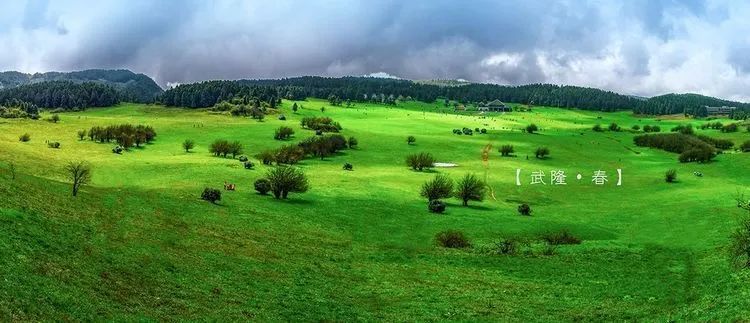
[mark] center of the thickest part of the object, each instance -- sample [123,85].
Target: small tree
[636,127]
[54,118]
[597,128]
[506,150]
[745,147]
[411,140]
[614,127]
[235,148]
[188,144]
[294,107]
[211,194]
[670,176]
[420,161]
[441,186]
[524,209]
[452,239]
[79,174]
[24,137]
[436,206]
[283,133]
[541,152]
[263,186]
[286,179]
[470,188]
[352,142]
[81,134]
[532,128]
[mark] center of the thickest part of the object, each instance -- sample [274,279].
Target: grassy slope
[139,244]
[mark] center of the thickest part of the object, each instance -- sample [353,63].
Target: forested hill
[384,90]
[130,86]
[65,95]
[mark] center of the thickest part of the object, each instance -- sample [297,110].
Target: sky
[638,47]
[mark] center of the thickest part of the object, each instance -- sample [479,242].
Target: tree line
[63,95]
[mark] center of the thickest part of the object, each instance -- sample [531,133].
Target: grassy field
[138,243]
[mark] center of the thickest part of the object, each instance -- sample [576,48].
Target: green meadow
[138,243]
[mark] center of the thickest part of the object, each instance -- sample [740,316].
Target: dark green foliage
[81,134]
[262,186]
[55,118]
[420,161]
[470,188]
[348,166]
[684,129]
[209,93]
[689,147]
[223,148]
[411,140]
[452,239]
[79,174]
[524,209]
[597,128]
[323,146]
[562,237]
[188,144]
[541,152]
[24,137]
[436,206]
[483,131]
[117,150]
[15,109]
[670,176]
[283,133]
[532,128]
[248,164]
[722,144]
[648,128]
[506,246]
[440,187]
[636,127]
[614,127]
[352,142]
[286,179]
[467,131]
[745,147]
[126,135]
[732,127]
[266,157]
[506,150]
[739,248]
[211,194]
[63,94]
[323,124]
[243,159]
[288,154]
[53,144]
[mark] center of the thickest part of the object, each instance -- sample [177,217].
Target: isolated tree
[541,152]
[636,127]
[597,128]
[506,150]
[420,161]
[441,186]
[670,176]
[283,133]
[79,174]
[411,140]
[211,194]
[235,148]
[470,188]
[294,107]
[532,128]
[81,134]
[614,127]
[188,144]
[286,179]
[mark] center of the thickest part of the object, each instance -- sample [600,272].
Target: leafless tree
[79,173]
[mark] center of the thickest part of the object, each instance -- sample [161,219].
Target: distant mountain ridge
[130,86]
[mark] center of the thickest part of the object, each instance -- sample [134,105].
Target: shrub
[646,128]
[506,150]
[441,186]
[670,176]
[597,128]
[188,144]
[420,161]
[266,157]
[289,154]
[348,166]
[507,246]
[541,152]
[467,131]
[81,134]
[283,133]
[411,140]
[242,159]
[235,148]
[732,127]
[745,147]
[532,128]
[697,154]
[54,118]
[211,194]
[717,143]
[470,188]
[282,117]
[322,124]
[524,209]
[614,127]
[683,129]
[560,238]
[53,144]
[219,147]
[263,186]
[655,129]
[352,142]
[248,165]
[739,249]
[323,146]
[452,239]
[483,131]
[636,127]
[436,206]
[117,149]
[689,147]
[286,179]
[24,137]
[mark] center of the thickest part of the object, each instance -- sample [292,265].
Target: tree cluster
[64,95]
[689,147]
[125,135]
[223,148]
[324,124]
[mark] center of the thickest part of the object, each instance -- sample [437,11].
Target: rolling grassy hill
[138,243]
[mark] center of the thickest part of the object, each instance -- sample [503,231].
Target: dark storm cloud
[629,46]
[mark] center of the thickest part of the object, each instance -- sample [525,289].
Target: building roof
[495,103]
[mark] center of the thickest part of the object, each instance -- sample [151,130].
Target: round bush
[249,165]
[263,186]
[243,158]
[452,239]
[436,206]
[524,209]
[348,166]
[211,194]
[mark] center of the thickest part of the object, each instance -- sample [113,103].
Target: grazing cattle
[228,186]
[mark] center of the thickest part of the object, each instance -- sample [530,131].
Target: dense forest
[64,95]
[130,87]
[208,93]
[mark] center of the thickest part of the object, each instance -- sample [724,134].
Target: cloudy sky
[641,47]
